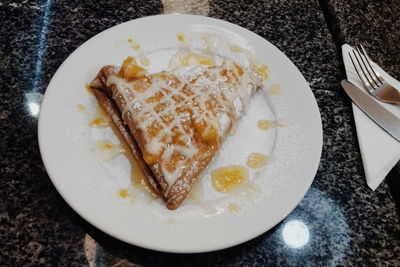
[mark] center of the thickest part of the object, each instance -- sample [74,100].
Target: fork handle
[388,95]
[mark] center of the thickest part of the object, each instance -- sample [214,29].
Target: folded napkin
[379,150]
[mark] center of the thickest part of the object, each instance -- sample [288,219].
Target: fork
[372,80]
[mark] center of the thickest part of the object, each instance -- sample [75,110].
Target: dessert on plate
[174,121]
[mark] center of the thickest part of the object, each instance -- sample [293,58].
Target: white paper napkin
[379,150]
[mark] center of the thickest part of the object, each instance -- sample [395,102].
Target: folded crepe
[174,121]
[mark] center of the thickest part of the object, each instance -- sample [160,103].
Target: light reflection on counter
[33,102]
[295,234]
[34,109]
[316,227]
[41,48]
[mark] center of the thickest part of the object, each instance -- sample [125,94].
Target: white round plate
[91,185]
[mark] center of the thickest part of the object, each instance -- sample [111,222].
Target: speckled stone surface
[375,24]
[348,224]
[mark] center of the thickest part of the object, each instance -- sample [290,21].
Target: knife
[384,118]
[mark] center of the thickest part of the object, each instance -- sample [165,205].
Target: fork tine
[363,79]
[377,75]
[364,66]
[355,67]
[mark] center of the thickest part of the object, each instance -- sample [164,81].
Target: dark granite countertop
[348,223]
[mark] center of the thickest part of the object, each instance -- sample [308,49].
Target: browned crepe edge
[109,107]
[178,192]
